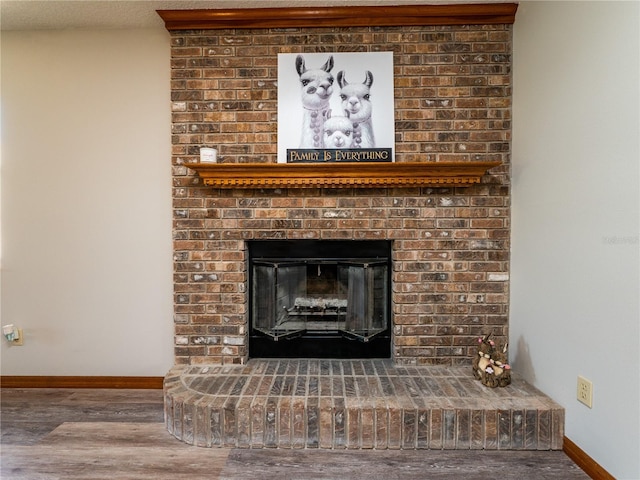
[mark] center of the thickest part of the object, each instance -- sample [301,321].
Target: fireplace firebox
[319,299]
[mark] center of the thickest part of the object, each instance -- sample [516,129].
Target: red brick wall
[450,245]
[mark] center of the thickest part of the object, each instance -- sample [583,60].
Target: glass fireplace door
[276,287]
[319,297]
[367,300]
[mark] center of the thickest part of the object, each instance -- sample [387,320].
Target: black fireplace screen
[320,296]
[317,299]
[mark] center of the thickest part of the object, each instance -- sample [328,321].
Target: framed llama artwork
[335,107]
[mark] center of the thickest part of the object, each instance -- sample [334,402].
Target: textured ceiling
[56,14]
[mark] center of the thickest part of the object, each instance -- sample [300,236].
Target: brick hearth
[355,404]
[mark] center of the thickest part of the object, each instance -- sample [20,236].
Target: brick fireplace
[448,238]
[450,245]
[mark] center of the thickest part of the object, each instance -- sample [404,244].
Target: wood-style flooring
[70,434]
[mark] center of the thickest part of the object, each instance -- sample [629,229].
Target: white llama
[338,132]
[357,103]
[317,87]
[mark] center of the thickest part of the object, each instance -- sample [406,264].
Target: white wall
[86,202]
[575,252]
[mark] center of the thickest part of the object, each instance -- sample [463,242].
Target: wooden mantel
[341,174]
[378,16]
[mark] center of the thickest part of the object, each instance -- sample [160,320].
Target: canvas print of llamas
[335,106]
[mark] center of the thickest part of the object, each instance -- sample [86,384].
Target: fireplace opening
[319,299]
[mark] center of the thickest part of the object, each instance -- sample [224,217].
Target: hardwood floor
[119,434]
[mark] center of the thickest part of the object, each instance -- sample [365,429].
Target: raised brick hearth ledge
[355,404]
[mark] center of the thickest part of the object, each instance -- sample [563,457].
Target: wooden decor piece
[341,175]
[490,364]
[396,15]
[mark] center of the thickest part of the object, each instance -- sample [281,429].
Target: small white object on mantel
[208,155]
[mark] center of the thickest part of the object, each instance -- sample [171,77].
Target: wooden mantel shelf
[341,174]
[348,16]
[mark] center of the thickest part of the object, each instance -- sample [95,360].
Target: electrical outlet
[585,391]
[13,335]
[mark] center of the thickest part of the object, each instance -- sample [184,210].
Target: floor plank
[391,465]
[113,463]
[106,434]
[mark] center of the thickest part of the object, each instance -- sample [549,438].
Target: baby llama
[338,132]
